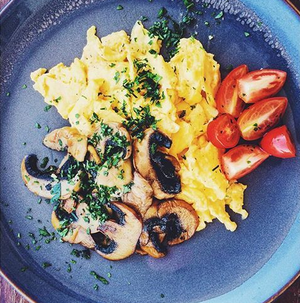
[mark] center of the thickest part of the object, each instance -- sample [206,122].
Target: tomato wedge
[241,160]
[223,132]
[260,117]
[278,143]
[260,84]
[227,98]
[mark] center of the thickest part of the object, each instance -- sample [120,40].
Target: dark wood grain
[9,295]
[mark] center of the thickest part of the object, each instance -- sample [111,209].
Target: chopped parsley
[46,264]
[94,118]
[99,278]
[117,76]
[142,120]
[170,35]
[127,188]
[219,15]
[57,99]
[96,287]
[146,82]
[161,12]
[85,253]
[188,4]
[47,108]
[23,269]
[55,192]
[143,19]
[43,232]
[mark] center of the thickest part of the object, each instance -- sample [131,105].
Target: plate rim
[3,12]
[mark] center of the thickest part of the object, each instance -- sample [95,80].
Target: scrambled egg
[93,87]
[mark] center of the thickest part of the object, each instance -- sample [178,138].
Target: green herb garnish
[99,278]
[47,108]
[219,15]
[46,264]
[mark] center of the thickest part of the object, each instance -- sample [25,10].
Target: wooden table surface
[9,295]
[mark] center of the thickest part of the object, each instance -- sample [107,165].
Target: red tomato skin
[241,160]
[227,98]
[278,143]
[249,121]
[251,89]
[223,132]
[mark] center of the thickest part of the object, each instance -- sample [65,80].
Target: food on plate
[41,183]
[223,131]
[140,196]
[67,138]
[278,143]
[260,84]
[227,98]
[146,165]
[241,160]
[167,223]
[158,168]
[261,116]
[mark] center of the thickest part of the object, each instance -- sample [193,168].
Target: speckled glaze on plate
[215,266]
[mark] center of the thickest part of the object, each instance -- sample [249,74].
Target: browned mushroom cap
[67,138]
[155,166]
[182,220]
[41,183]
[117,238]
[169,222]
[140,195]
[153,234]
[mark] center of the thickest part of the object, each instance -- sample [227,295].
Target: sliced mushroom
[158,168]
[182,220]
[67,138]
[80,223]
[169,222]
[153,234]
[140,196]
[116,176]
[112,144]
[93,155]
[117,238]
[41,183]
[110,130]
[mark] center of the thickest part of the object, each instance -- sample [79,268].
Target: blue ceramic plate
[216,266]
